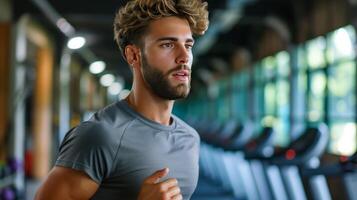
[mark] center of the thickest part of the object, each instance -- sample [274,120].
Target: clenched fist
[152,189]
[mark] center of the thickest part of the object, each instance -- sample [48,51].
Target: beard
[159,82]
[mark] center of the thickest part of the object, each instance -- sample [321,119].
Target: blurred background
[288,65]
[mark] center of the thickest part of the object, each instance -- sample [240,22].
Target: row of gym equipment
[248,165]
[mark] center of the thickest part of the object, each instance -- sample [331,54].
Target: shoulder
[105,127]
[89,134]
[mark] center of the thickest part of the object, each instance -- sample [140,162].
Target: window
[341,92]
[276,91]
[315,82]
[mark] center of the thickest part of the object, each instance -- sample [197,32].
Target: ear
[132,54]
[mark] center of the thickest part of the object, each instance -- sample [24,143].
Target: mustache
[178,68]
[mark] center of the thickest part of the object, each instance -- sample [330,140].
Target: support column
[42,113]
[64,104]
[4,81]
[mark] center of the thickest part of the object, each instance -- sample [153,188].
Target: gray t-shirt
[118,148]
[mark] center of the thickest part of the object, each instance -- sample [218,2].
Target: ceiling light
[115,88]
[107,79]
[76,42]
[97,67]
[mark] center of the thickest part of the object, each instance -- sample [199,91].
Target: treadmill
[302,153]
[345,169]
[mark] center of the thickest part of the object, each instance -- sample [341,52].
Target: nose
[184,55]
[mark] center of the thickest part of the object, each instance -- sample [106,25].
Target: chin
[183,93]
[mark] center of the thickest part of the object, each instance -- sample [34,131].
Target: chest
[140,155]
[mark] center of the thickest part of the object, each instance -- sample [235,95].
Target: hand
[152,189]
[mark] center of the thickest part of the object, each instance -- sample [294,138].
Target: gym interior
[273,93]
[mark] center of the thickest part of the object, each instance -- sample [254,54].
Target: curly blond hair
[132,20]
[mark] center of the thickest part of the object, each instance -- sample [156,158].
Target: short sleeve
[88,148]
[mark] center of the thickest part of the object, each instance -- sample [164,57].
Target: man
[135,148]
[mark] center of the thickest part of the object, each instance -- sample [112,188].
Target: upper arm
[66,183]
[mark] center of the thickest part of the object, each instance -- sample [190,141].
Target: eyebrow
[175,39]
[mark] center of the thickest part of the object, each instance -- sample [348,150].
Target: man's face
[167,58]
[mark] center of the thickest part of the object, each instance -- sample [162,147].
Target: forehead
[169,27]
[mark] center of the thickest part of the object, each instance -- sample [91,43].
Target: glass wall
[341,92]
[272,95]
[326,84]
[314,82]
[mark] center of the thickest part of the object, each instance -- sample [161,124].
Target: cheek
[158,56]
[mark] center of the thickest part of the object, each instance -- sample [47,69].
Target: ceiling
[232,23]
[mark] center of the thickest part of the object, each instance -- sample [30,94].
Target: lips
[181,75]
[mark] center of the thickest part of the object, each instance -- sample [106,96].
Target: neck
[150,105]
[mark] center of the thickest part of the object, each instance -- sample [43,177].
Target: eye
[167,45]
[189,46]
